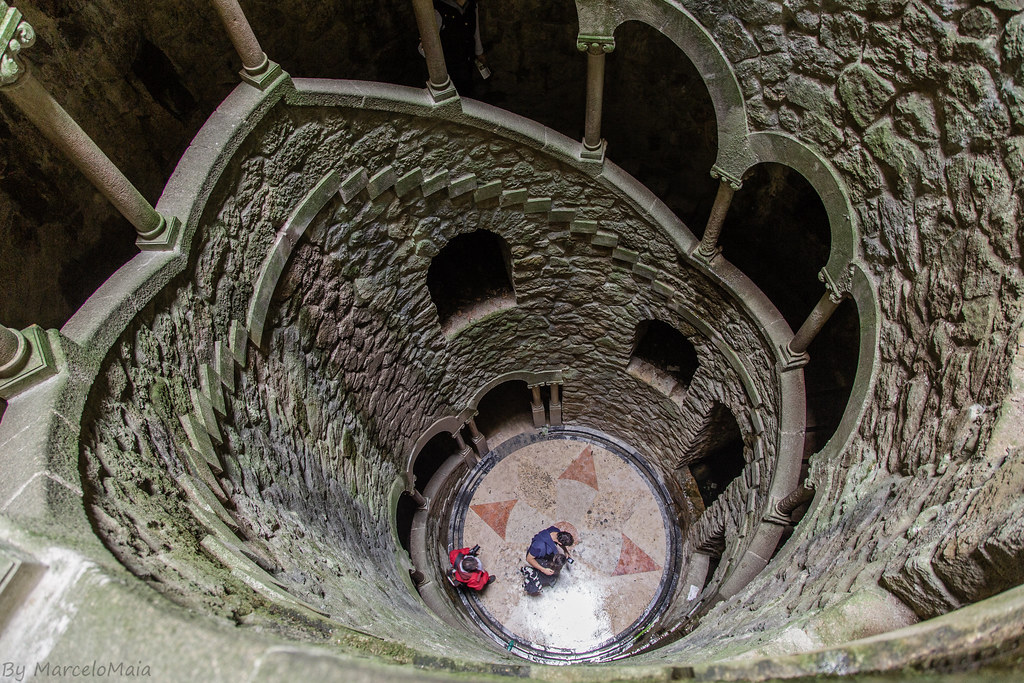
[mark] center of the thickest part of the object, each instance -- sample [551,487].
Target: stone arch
[672,147]
[777,233]
[450,425]
[601,19]
[816,169]
[721,458]
[528,376]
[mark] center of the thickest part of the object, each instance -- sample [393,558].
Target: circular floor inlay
[592,487]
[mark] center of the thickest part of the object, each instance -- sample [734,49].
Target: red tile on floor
[633,560]
[582,469]
[495,515]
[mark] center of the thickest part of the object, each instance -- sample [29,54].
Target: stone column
[440,85]
[537,404]
[465,451]
[708,248]
[156,232]
[479,440]
[555,406]
[795,352]
[596,48]
[257,69]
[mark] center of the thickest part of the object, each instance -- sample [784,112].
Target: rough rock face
[917,106]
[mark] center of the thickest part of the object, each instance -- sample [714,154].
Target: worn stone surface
[355,365]
[918,106]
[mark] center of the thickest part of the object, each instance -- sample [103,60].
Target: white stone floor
[620,550]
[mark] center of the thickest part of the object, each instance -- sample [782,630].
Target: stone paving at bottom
[620,550]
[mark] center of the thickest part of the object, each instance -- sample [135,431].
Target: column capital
[719,173]
[595,45]
[838,289]
[15,34]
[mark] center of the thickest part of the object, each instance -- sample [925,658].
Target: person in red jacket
[467,568]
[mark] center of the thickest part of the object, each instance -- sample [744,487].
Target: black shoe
[491,580]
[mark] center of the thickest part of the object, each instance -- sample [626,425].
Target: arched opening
[430,458]
[659,120]
[471,277]
[777,232]
[504,411]
[713,562]
[829,375]
[663,357]
[403,518]
[722,444]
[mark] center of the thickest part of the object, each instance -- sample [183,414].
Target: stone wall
[315,432]
[917,104]
[141,78]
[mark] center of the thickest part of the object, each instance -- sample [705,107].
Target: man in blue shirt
[548,552]
[545,545]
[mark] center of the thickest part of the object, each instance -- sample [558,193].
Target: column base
[163,238]
[792,360]
[594,154]
[469,456]
[705,256]
[262,76]
[538,417]
[442,93]
[773,516]
[39,364]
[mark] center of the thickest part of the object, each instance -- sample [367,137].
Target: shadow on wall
[505,411]
[660,122]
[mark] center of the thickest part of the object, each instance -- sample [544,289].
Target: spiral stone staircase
[243,454]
